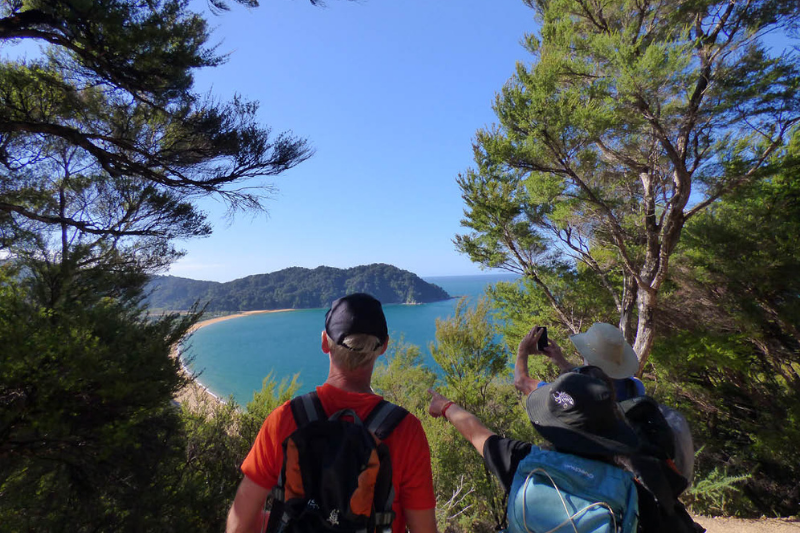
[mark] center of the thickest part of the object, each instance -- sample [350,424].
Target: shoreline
[195,393]
[209,321]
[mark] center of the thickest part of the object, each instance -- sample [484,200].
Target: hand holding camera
[534,342]
[542,344]
[537,342]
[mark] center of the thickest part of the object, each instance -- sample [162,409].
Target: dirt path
[739,525]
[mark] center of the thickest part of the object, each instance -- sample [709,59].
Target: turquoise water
[233,356]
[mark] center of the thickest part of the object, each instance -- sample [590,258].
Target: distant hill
[293,288]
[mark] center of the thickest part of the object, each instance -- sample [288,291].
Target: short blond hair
[356,350]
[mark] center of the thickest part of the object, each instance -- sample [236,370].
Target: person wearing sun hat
[602,346]
[576,414]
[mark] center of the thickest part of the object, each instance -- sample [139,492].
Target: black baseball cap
[578,414]
[353,314]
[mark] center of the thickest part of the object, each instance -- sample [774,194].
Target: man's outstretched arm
[246,514]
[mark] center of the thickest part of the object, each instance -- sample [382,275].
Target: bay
[233,357]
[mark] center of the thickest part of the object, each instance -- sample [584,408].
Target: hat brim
[619,439]
[625,369]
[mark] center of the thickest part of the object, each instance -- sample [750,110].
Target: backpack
[654,466]
[555,492]
[664,434]
[682,437]
[660,510]
[336,473]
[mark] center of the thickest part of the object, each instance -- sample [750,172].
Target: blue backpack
[554,492]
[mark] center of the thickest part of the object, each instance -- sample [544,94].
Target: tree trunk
[645,330]
[62,213]
[629,292]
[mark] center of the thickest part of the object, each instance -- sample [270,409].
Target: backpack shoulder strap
[381,421]
[384,418]
[307,408]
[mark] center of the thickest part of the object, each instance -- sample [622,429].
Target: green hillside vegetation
[292,288]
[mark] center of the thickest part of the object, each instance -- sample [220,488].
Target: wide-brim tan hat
[604,346]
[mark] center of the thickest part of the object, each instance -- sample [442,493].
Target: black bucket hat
[577,414]
[353,314]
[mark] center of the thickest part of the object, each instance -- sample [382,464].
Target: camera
[542,340]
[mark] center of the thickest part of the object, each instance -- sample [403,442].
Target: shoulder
[408,444]
[499,448]
[280,422]
[282,411]
[502,457]
[409,428]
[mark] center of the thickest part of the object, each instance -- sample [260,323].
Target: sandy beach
[196,393]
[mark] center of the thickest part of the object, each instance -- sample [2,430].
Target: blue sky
[390,93]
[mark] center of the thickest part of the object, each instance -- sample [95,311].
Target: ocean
[233,357]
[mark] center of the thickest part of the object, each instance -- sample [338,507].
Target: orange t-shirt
[407,444]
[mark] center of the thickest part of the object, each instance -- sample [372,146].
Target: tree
[730,322]
[104,142]
[85,387]
[216,438]
[104,148]
[633,118]
[520,305]
[402,377]
[468,353]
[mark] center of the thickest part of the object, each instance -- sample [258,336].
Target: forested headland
[292,288]
[643,170]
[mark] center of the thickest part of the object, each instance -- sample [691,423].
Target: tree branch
[732,184]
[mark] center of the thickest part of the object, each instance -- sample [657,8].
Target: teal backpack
[555,492]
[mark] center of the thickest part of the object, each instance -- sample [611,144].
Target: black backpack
[645,416]
[658,481]
[336,474]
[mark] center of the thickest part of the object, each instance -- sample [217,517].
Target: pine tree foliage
[103,134]
[104,148]
[85,387]
[633,118]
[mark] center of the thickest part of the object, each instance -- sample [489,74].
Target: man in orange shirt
[355,336]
